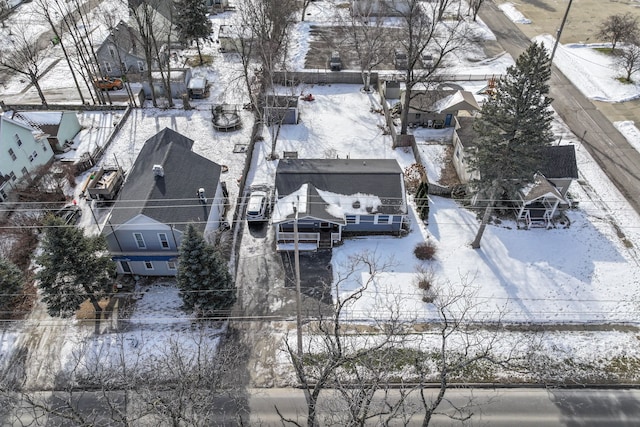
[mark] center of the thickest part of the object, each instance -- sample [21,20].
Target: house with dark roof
[58,126]
[541,199]
[438,108]
[331,198]
[122,52]
[560,166]
[168,187]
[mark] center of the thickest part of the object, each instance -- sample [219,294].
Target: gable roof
[125,38]
[45,121]
[540,188]
[338,187]
[560,162]
[171,199]
[443,101]
[6,118]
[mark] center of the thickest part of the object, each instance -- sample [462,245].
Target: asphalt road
[607,146]
[490,407]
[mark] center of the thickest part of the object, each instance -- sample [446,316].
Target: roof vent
[158,170]
[356,204]
[201,196]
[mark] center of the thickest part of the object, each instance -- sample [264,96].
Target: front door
[447,120]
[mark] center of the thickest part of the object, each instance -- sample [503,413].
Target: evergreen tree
[75,268]
[513,128]
[192,22]
[205,283]
[422,200]
[11,282]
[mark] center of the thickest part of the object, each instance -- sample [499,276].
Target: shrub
[425,250]
[425,283]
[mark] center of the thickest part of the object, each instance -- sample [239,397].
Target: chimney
[158,171]
[201,195]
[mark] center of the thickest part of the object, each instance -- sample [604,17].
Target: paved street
[523,407]
[606,145]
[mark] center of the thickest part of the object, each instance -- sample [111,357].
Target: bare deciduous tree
[474,7]
[51,11]
[468,337]
[368,38]
[621,27]
[146,17]
[128,380]
[25,57]
[422,31]
[628,59]
[338,357]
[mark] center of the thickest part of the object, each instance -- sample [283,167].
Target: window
[31,158]
[140,66]
[139,240]
[148,265]
[171,265]
[107,67]
[12,154]
[163,240]
[25,172]
[353,219]
[112,51]
[383,219]
[125,266]
[33,155]
[18,140]
[13,176]
[3,195]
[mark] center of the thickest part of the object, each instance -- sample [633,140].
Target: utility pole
[559,33]
[296,249]
[298,292]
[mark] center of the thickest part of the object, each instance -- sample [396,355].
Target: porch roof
[540,188]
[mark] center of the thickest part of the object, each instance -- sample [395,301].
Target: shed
[197,87]
[281,108]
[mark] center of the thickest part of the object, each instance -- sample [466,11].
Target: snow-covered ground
[584,272]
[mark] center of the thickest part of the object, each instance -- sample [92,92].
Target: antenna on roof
[201,195]
[158,171]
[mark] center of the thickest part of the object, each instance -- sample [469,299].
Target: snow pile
[513,14]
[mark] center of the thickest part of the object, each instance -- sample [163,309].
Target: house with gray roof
[168,187]
[541,200]
[122,52]
[333,198]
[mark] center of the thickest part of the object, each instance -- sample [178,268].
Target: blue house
[168,187]
[331,198]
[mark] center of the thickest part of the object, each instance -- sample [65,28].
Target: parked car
[108,84]
[69,214]
[335,63]
[427,60]
[400,60]
[258,205]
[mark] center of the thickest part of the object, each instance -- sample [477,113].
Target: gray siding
[123,240]
[159,268]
